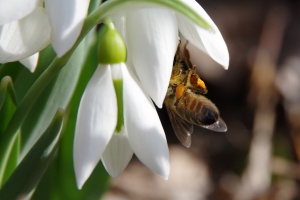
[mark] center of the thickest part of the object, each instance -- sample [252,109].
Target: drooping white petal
[12,10]
[66,18]
[117,154]
[96,121]
[152,38]
[142,124]
[31,62]
[25,37]
[210,41]
[119,23]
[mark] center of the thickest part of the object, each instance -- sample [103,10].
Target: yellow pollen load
[201,83]
[179,91]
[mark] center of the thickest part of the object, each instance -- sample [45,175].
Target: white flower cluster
[151,36]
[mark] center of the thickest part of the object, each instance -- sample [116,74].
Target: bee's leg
[179,91]
[187,56]
[176,71]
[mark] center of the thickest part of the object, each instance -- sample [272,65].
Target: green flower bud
[111,47]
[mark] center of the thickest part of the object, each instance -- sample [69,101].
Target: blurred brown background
[258,97]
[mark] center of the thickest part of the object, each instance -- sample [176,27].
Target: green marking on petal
[118,84]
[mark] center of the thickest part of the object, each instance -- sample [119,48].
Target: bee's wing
[219,126]
[182,129]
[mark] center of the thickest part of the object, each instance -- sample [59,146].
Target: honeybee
[185,103]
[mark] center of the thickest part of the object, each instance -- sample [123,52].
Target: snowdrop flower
[151,36]
[116,118]
[26,28]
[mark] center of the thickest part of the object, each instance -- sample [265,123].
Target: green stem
[102,12]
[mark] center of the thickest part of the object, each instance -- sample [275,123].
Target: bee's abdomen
[197,109]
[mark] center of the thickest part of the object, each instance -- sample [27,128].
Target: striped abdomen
[196,109]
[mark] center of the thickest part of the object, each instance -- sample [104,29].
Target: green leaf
[9,154]
[28,173]
[8,102]
[12,160]
[23,78]
[56,95]
[24,83]
[61,174]
[93,5]
[11,69]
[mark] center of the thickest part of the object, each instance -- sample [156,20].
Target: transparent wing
[219,126]
[182,129]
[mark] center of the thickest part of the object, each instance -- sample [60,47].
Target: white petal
[117,154]
[152,38]
[119,23]
[142,124]
[210,41]
[66,18]
[11,10]
[96,121]
[31,62]
[25,37]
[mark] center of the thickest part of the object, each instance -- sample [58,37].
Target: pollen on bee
[179,91]
[201,83]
